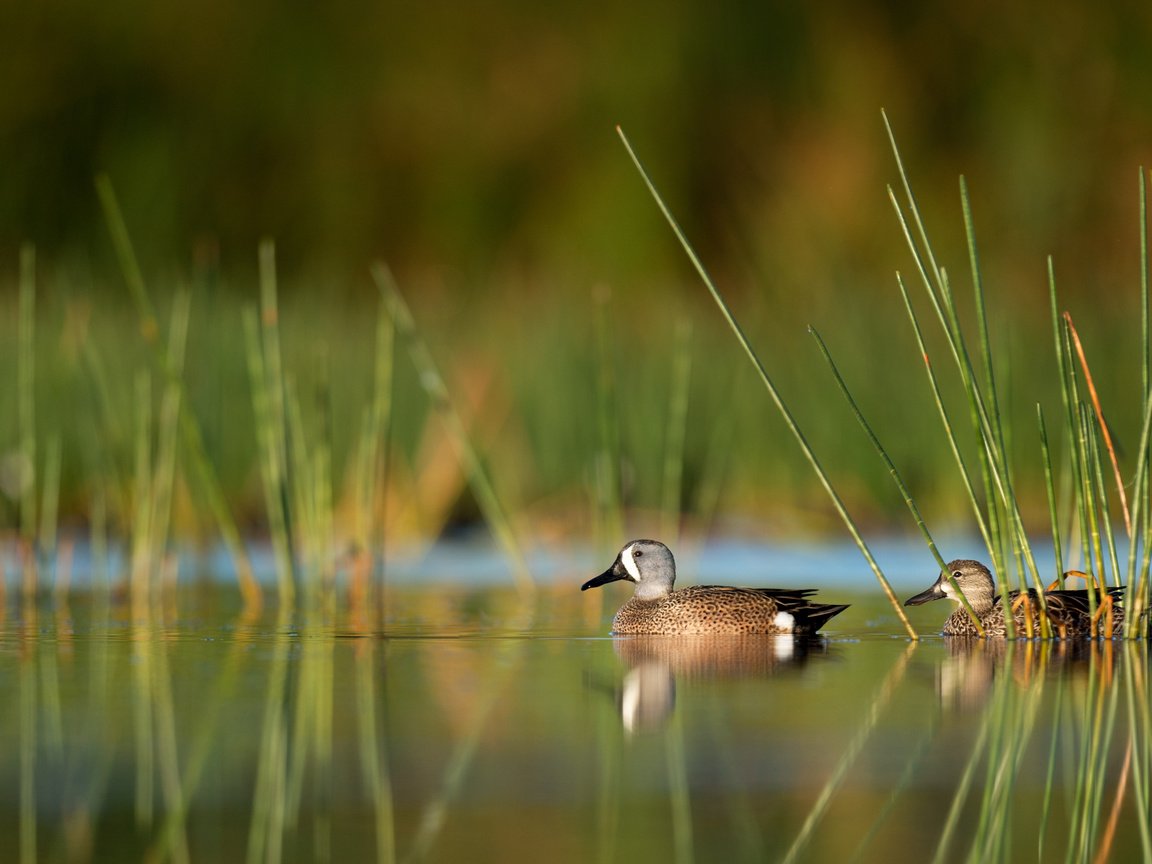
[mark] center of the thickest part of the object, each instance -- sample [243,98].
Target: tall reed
[191,433]
[754,358]
[26,413]
[434,386]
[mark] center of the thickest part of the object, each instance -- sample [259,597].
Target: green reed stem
[894,473]
[679,792]
[266,831]
[1139,737]
[374,750]
[1088,490]
[1049,484]
[302,494]
[376,434]
[1013,719]
[1050,773]
[108,433]
[982,319]
[166,452]
[984,409]
[271,467]
[770,387]
[676,431]
[863,732]
[1078,446]
[142,488]
[1068,398]
[279,426]
[999,511]
[166,743]
[50,498]
[192,436]
[26,394]
[310,750]
[98,539]
[205,734]
[322,470]
[1105,511]
[437,391]
[930,370]
[1099,724]
[1137,598]
[911,765]
[1145,313]
[996,471]
[506,664]
[609,495]
[28,748]
[143,717]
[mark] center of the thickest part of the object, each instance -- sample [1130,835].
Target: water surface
[469,724]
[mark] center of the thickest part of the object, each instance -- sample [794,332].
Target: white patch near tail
[784,622]
[630,562]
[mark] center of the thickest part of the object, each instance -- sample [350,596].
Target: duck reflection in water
[647,696]
[965,678]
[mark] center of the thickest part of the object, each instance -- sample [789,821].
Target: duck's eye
[637,553]
[956,573]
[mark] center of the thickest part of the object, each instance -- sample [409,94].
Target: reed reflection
[966,676]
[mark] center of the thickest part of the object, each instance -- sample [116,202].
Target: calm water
[467,725]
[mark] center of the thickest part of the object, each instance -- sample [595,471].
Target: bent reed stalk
[754,358]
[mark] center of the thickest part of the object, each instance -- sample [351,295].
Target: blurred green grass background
[472,148]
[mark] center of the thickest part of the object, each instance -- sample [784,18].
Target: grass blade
[190,428]
[1103,425]
[437,390]
[894,473]
[770,387]
[676,430]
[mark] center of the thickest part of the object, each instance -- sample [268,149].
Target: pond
[467,723]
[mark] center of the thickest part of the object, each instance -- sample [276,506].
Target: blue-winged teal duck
[656,609]
[1069,611]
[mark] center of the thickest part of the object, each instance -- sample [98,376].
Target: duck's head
[647,563]
[974,579]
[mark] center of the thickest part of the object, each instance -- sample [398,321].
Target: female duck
[1069,611]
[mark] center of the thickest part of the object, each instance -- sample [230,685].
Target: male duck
[1069,611]
[656,609]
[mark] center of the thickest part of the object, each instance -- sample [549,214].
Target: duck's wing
[797,594]
[809,616]
[797,602]
[1077,602]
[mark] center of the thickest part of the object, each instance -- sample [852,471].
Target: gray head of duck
[648,563]
[974,579]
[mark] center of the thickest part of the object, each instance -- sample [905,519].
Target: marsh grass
[494,511]
[192,436]
[994,503]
